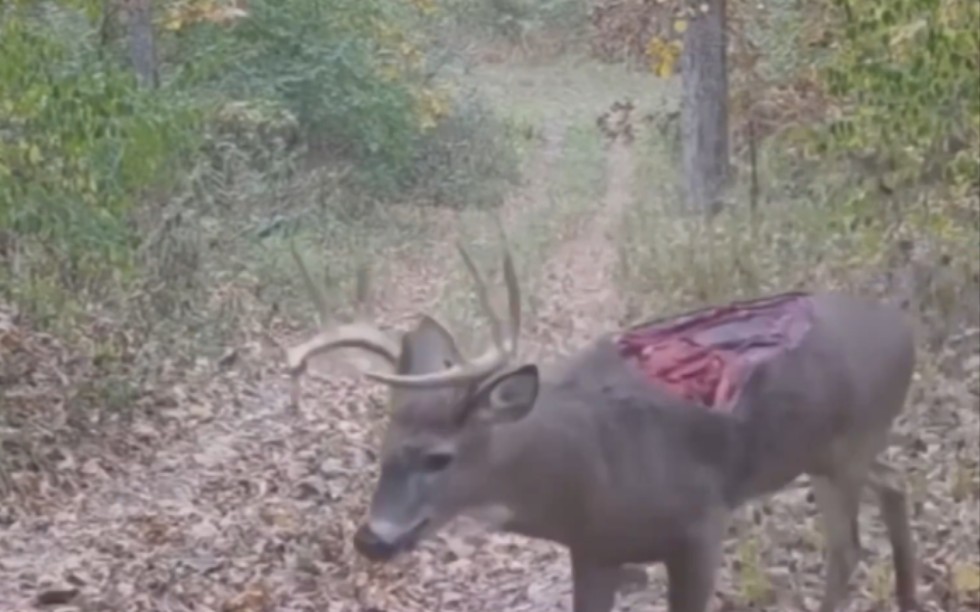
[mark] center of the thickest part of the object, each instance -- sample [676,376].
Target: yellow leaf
[426,7]
[680,26]
[389,73]
[34,154]
[224,15]
[655,46]
[966,578]
[173,23]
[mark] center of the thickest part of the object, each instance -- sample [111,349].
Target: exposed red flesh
[705,356]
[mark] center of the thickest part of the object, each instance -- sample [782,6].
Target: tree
[704,107]
[142,45]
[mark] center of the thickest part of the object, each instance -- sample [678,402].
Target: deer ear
[427,348]
[511,396]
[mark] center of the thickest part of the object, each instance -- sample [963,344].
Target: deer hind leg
[594,586]
[838,500]
[632,577]
[692,569]
[886,483]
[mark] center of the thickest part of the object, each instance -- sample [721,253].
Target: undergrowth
[112,195]
[533,29]
[577,183]
[145,233]
[817,231]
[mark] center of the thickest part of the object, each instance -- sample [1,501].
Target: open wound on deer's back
[705,356]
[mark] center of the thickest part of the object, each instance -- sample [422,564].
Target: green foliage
[518,20]
[909,71]
[468,160]
[94,170]
[79,144]
[816,232]
[343,68]
[776,31]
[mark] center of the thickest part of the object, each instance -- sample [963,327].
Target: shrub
[467,160]
[348,70]
[80,145]
[908,72]
[519,21]
[93,169]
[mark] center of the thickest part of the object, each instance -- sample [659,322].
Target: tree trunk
[704,109]
[142,48]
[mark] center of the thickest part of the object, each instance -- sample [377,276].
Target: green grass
[814,230]
[566,96]
[574,187]
[570,89]
[559,101]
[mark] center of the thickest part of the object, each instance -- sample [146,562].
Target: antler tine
[493,358]
[513,290]
[360,335]
[496,331]
[513,301]
[362,286]
[319,300]
[355,335]
[464,374]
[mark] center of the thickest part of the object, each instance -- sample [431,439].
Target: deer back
[843,383]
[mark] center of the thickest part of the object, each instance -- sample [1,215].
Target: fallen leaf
[56,597]
[966,578]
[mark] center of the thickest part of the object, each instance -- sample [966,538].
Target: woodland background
[158,158]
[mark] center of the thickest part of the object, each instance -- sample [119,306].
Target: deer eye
[436,462]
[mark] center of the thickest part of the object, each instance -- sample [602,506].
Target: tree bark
[142,47]
[704,109]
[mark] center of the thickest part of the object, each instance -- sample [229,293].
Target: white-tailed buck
[637,448]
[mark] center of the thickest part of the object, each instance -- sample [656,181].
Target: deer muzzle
[383,544]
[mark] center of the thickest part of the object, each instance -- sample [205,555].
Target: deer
[639,447]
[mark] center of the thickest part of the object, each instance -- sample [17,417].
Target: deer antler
[501,350]
[357,334]
[366,336]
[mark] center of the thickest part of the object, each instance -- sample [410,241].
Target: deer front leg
[838,500]
[894,512]
[594,585]
[691,570]
[632,577]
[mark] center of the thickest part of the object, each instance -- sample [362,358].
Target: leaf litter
[228,499]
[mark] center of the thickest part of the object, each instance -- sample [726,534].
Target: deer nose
[372,546]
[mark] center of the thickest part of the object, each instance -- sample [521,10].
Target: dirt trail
[252,507]
[578,296]
[577,300]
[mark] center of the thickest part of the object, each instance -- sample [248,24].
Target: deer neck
[530,477]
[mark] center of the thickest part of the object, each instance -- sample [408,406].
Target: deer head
[444,410]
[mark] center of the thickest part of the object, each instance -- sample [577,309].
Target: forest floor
[251,505]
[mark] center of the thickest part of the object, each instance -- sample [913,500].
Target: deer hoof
[632,578]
